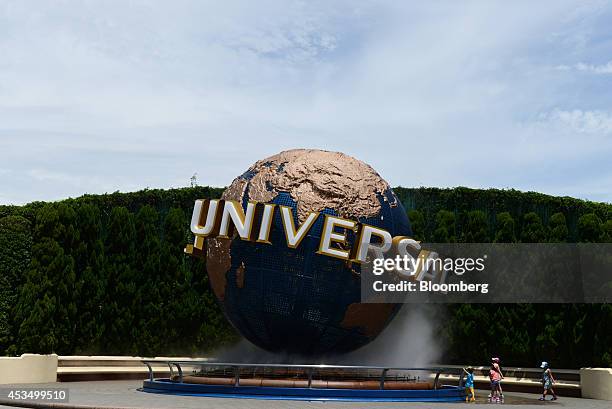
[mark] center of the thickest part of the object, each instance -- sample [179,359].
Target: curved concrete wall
[596,383]
[28,368]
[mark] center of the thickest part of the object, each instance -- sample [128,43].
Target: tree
[39,311]
[15,246]
[476,228]
[90,279]
[120,276]
[505,228]
[149,305]
[603,335]
[180,313]
[46,310]
[417,222]
[445,227]
[589,228]
[606,232]
[533,230]
[509,332]
[468,325]
[191,301]
[558,228]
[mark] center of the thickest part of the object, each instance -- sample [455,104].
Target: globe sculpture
[295,300]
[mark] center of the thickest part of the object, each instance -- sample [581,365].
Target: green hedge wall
[106,274]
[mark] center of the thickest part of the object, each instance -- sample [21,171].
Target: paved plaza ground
[125,394]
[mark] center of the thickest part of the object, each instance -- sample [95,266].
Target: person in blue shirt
[469,384]
[547,381]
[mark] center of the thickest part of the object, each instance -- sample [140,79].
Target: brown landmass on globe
[371,318]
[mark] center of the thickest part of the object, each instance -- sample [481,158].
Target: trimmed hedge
[106,274]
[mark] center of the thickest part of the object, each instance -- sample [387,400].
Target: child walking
[497,365]
[495,375]
[547,381]
[469,385]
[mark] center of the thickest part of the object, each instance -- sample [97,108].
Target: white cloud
[580,122]
[596,69]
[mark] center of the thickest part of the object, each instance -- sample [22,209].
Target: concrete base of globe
[330,391]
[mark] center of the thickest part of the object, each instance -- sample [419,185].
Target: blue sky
[121,95]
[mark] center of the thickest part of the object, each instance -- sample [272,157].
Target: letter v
[294,238]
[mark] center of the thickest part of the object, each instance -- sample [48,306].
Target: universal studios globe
[295,300]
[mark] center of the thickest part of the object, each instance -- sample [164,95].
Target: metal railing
[237,368]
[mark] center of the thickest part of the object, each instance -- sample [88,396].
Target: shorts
[494,384]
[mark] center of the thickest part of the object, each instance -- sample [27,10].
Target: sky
[104,96]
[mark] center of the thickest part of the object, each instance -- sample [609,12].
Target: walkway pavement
[125,394]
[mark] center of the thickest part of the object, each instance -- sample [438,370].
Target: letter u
[201,208]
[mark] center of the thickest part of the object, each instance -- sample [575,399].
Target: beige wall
[29,368]
[596,383]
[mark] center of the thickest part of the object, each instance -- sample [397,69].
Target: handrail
[236,376]
[382,378]
[150,370]
[178,368]
[236,367]
[196,362]
[521,369]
